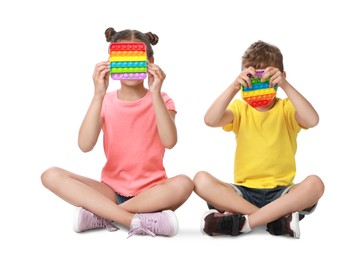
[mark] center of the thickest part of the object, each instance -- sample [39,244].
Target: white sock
[246,227]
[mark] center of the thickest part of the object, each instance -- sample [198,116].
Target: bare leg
[223,197]
[170,194]
[84,192]
[100,199]
[220,194]
[303,195]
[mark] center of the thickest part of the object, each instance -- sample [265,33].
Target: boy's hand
[156,76]
[276,77]
[244,78]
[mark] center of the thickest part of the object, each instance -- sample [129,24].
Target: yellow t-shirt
[266,144]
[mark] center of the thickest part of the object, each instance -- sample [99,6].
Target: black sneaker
[215,223]
[287,225]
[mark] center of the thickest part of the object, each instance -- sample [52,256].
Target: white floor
[42,229]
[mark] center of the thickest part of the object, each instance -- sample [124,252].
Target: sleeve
[235,107]
[289,111]
[169,102]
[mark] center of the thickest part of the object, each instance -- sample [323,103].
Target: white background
[48,50]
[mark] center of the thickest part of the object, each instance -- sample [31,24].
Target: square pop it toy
[128,60]
[261,94]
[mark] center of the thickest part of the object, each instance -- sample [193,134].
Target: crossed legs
[223,197]
[100,199]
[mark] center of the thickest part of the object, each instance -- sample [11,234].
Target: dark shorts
[261,197]
[121,199]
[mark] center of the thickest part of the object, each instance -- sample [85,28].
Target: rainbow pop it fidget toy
[128,60]
[261,94]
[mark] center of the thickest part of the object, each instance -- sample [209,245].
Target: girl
[138,124]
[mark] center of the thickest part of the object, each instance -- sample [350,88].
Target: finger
[103,71]
[247,74]
[251,72]
[277,79]
[269,72]
[241,83]
[161,75]
[151,72]
[245,80]
[102,66]
[274,79]
[158,73]
[106,74]
[152,67]
[155,70]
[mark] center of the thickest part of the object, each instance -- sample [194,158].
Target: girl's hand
[101,77]
[156,76]
[276,77]
[244,78]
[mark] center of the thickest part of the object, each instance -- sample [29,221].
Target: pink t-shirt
[132,144]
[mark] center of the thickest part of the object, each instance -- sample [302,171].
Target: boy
[263,191]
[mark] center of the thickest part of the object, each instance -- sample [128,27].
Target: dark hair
[131,35]
[261,55]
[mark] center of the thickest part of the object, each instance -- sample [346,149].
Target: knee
[315,185]
[50,177]
[201,179]
[183,185]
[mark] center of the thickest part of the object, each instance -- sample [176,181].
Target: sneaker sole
[174,221]
[294,225]
[203,217]
[75,225]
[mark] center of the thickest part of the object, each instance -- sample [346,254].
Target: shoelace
[101,222]
[147,226]
[140,230]
[96,221]
[110,227]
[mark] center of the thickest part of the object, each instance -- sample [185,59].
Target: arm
[218,115]
[165,119]
[92,123]
[305,114]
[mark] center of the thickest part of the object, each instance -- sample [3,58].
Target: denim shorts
[121,199]
[261,197]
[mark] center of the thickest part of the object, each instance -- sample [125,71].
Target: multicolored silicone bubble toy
[128,60]
[261,94]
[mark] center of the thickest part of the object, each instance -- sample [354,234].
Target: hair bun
[153,38]
[109,33]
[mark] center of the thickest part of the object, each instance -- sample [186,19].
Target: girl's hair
[132,35]
[261,55]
